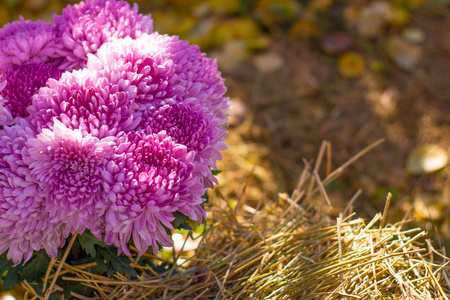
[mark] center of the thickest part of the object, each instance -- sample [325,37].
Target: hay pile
[290,249]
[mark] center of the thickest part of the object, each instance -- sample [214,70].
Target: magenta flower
[25,225]
[197,74]
[138,64]
[148,178]
[201,78]
[188,124]
[26,41]
[84,27]
[23,81]
[83,100]
[68,166]
[6,117]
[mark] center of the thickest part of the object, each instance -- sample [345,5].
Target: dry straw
[290,249]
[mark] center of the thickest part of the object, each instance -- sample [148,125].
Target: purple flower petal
[188,124]
[157,177]
[25,224]
[68,166]
[83,100]
[27,41]
[84,27]
[23,81]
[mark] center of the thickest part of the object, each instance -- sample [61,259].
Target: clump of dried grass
[290,249]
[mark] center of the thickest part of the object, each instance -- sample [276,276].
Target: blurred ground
[300,72]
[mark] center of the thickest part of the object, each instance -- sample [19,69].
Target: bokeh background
[303,71]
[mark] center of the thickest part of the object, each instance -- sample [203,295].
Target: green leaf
[36,267]
[116,263]
[216,172]
[186,226]
[161,268]
[181,221]
[101,262]
[206,197]
[77,287]
[38,288]
[5,265]
[12,278]
[88,242]
[12,273]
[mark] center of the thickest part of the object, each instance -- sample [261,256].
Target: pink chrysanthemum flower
[83,100]
[84,27]
[197,74]
[138,63]
[188,124]
[26,41]
[68,166]
[201,79]
[147,180]
[6,117]
[23,81]
[25,225]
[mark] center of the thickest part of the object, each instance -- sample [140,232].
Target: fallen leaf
[398,17]
[414,35]
[429,205]
[303,29]
[351,64]
[404,54]
[425,159]
[275,13]
[225,6]
[242,28]
[231,55]
[337,42]
[373,18]
[268,62]
[319,5]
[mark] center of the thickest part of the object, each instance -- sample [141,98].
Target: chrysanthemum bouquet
[106,127]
